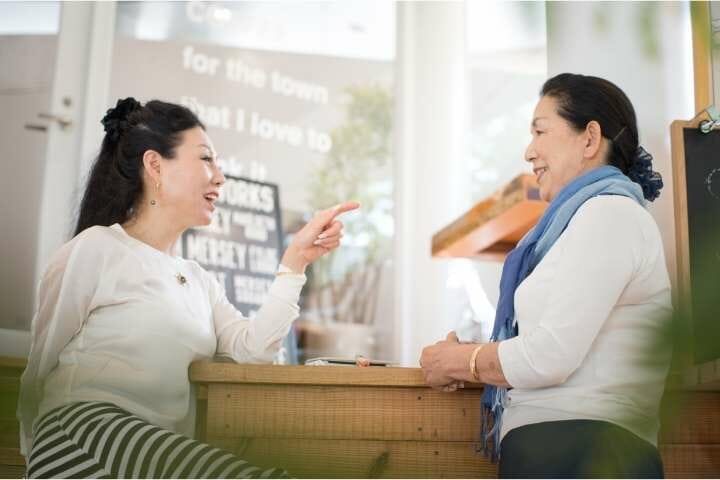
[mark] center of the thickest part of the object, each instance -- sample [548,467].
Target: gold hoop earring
[157,187]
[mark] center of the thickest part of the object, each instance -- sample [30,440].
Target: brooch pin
[181,279]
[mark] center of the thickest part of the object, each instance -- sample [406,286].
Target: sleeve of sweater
[66,296]
[600,254]
[256,339]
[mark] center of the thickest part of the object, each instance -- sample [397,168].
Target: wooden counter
[373,422]
[346,422]
[380,422]
[12,464]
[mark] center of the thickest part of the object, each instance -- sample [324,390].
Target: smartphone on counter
[348,362]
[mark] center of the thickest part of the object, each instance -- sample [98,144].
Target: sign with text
[270,114]
[243,244]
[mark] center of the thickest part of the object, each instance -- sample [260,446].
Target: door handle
[36,127]
[63,122]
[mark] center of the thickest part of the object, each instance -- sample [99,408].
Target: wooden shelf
[492,228]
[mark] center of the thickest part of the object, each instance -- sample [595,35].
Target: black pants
[577,449]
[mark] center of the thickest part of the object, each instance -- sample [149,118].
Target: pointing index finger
[339,209]
[344,207]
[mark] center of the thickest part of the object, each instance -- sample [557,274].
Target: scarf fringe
[491,422]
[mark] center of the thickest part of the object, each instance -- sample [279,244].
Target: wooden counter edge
[13,362]
[222,372]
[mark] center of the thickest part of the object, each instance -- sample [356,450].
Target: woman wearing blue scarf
[573,381]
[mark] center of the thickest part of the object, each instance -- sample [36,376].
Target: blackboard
[243,244]
[696,167]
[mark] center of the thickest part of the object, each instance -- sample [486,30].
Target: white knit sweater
[590,317]
[114,324]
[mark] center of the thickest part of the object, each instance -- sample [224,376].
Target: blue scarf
[521,261]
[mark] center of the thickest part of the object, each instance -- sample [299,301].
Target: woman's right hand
[320,236]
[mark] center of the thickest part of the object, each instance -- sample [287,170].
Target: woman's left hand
[444,363]
[320,236]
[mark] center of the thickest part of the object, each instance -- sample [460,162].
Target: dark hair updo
[581,99]
[115,184]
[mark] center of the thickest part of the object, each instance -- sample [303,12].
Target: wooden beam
[13,362]
[702,54]
[682,239]
[491,228]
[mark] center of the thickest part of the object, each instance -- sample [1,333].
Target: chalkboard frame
[682,230]
[707,373]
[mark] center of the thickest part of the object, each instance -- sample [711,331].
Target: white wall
[645,48]
[25,92]
[612,40]
[82,75]
[43,184]
[430,124]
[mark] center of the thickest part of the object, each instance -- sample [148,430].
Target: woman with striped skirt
[120,317]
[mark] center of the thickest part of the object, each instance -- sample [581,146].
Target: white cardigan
[115,324]
[590,317]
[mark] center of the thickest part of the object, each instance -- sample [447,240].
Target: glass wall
[507,64]
[29,18]
[297,95]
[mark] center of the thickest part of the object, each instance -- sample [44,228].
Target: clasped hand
[444,364]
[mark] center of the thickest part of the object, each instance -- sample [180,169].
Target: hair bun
[115,120]
[641,172]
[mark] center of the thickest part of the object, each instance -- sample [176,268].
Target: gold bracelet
[473,357]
